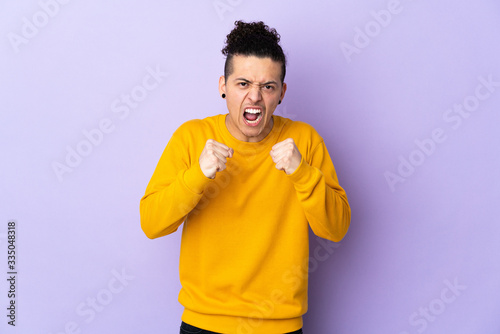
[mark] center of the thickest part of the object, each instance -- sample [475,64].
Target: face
[253,90]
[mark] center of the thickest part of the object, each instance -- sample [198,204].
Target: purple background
[407,243]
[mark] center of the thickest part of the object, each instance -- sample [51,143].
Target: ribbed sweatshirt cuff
[302,174]
[195,180]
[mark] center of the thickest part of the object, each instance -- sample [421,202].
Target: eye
[243,84]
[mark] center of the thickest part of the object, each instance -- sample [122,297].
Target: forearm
[323,200]
[165,204]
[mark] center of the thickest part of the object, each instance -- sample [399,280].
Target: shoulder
[300,131]
[199,124]
[197,127]
[191,136]
[305,137]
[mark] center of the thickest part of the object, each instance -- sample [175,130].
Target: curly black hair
[253,39]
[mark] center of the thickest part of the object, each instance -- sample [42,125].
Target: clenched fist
[286,156]
[213,158]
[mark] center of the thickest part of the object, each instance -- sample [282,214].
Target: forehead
[255,68]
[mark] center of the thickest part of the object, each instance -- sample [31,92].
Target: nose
[254,94]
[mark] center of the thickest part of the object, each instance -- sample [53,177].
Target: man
[247,185]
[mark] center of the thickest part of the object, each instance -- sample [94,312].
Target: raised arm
[178,183]
[315,180]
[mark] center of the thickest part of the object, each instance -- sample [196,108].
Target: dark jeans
[188,329]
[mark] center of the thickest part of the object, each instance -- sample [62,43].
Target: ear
[222,85]
[283,90]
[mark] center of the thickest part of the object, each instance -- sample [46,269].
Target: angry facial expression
[253,90]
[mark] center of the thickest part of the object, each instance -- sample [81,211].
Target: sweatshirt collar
[268,141]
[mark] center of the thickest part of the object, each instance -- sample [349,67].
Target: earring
[223,96]
[279,102]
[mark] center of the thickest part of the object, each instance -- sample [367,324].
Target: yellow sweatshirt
[245,245]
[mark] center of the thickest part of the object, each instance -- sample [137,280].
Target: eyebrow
[262,84]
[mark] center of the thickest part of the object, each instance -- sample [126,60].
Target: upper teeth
[253,111]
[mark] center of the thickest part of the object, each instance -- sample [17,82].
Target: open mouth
[252,116]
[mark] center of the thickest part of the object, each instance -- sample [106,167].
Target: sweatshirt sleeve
[323,199]
[175,188]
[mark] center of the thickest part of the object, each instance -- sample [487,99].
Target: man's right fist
[213,158]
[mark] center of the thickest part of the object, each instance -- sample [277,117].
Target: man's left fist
[286,156]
